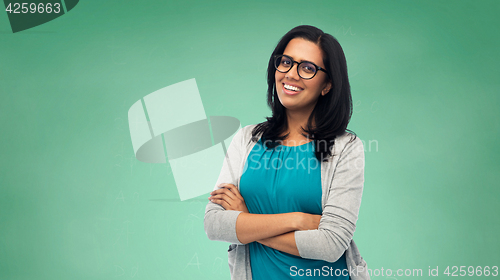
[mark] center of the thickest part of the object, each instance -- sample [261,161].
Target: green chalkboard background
[76,204]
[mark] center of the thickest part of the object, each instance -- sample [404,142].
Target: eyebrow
[304,61]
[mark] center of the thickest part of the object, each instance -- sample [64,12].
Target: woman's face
[307,91]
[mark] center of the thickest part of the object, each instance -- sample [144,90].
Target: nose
[293,73]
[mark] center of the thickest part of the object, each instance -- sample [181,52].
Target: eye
[308,67]
[285,61]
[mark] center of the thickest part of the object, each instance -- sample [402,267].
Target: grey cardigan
[342,178]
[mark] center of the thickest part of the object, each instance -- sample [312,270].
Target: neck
[296,120]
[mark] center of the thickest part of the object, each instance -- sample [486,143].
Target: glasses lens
[282,63]
[307,70]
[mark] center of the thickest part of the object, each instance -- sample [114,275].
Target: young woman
[291,210]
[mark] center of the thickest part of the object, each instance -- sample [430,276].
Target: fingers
[222,197]
[226,191]
[221,202]
[228,197]
[233,189]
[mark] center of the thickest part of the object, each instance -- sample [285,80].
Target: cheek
[278,77]
[313,85]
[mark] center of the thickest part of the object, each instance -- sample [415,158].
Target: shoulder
[249,128]
[243,135]
[246,131]
[347,143]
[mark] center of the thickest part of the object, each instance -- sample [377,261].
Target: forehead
[300,49]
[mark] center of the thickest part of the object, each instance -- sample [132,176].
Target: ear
[327,88]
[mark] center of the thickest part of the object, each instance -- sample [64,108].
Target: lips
[291,89]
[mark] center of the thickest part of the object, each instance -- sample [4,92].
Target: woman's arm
[254,227]
[219,223]
[242,228]
[286,242]
[273,230]
[283,242]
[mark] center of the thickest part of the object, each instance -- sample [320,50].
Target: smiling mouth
[291,88]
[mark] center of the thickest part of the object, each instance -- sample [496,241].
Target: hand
[229,197]
[308,221]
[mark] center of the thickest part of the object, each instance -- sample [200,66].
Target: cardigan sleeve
[340,212]
[219,223]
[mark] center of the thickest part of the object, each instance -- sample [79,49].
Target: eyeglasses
[306,70]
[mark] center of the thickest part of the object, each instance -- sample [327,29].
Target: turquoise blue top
[282,180]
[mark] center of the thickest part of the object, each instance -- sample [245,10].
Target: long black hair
[333,110]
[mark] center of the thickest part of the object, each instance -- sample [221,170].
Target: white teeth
[289,87]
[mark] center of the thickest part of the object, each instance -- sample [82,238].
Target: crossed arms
[273,230]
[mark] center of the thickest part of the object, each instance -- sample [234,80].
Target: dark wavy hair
[332,112]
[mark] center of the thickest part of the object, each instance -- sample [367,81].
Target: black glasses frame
[276,56]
